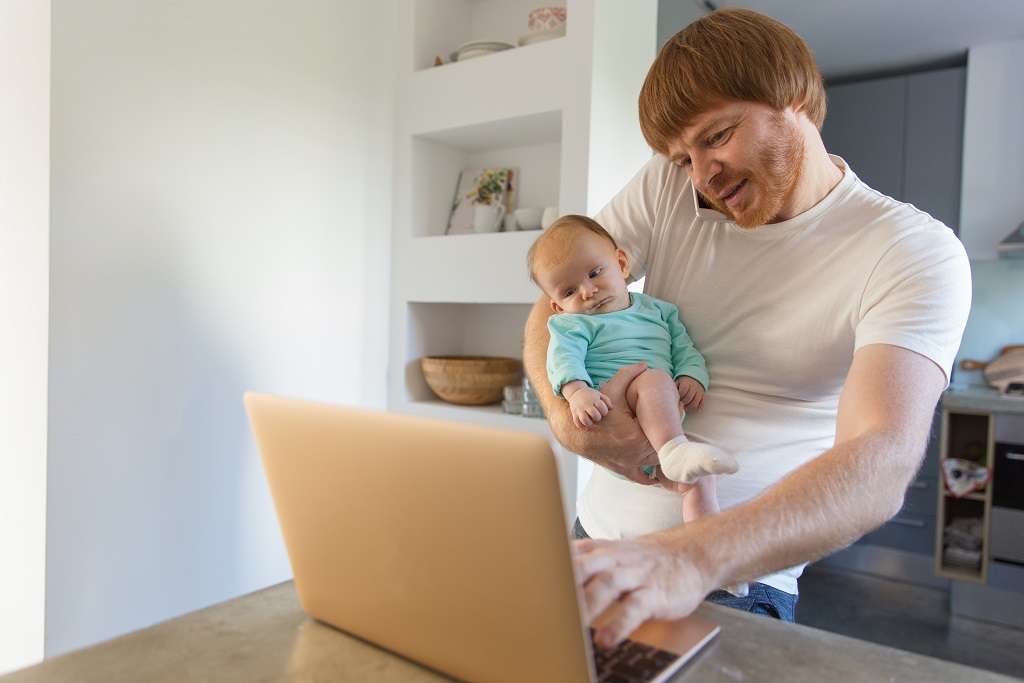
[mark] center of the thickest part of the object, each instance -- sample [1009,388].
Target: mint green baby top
[593,347]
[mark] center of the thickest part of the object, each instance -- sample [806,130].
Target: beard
[770,181]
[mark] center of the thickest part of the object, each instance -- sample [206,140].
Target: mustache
[710,196]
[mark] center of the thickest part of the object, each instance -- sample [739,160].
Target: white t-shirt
[778,313]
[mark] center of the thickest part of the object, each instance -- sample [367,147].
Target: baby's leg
[702,500]
[654,399]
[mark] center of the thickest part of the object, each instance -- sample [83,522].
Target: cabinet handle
[903,521]
[1015,456]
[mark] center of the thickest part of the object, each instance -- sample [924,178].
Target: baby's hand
[691,393]
[588,405]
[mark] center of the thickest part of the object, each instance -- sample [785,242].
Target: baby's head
[579,266]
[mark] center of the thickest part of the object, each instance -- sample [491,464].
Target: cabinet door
[934,143]
[864,125]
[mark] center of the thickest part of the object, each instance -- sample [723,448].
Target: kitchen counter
[983,399]
[265,637]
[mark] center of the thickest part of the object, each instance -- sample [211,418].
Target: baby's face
[591,279]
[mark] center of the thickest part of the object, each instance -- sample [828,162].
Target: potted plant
[488,197]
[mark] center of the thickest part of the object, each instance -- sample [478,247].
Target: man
[829,316]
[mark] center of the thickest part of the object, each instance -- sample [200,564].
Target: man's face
[744,159]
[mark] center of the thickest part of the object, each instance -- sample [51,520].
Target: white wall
[221,177]
[24,209]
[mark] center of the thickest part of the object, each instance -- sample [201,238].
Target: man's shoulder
[872,209]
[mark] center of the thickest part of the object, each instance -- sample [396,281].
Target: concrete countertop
[982,399]
[265,637]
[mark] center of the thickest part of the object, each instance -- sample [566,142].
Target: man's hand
[625,583]
[619,444]
[691,393]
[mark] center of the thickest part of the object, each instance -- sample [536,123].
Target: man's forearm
[535,354]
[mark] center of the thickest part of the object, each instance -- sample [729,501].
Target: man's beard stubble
[776,173]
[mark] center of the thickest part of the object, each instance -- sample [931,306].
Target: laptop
[443,542]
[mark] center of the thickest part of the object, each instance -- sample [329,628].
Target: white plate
[470,54]
[494,45]
[539,36]
[478,48]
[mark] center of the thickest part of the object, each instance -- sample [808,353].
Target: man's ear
[555,307]
[623,262]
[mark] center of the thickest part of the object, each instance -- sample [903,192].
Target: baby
[598,327]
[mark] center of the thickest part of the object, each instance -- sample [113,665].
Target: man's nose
[703,169]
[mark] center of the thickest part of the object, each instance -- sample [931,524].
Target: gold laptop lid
[442,542]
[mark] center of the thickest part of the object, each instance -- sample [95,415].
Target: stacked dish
[545,23]
[479,48]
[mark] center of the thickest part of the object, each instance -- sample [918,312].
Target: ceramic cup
[487,217]
[549,216]
[529,219]
[546,18]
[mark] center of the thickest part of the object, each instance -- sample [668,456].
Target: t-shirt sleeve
[918,297]
[567,351]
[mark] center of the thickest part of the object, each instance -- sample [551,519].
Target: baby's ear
[623,262]
[555,307]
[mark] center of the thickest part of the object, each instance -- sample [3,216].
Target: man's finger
[622,617]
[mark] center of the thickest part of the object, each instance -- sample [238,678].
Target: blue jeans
[762,599]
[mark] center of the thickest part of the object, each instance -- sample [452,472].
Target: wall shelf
[562,112]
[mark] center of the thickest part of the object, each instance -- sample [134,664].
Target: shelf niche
[530,144]
[448,329]
[442,26]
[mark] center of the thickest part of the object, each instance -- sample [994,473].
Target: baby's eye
[570,292]
[594,273]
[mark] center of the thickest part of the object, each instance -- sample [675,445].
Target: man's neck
[818,177]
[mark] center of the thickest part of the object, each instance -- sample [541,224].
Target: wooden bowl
[471,380]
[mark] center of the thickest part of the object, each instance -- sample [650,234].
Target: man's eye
[718,137]
[683,163]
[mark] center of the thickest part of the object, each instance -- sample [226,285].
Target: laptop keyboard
[630,661]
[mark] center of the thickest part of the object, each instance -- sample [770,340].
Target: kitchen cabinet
[903,136]
[988,429]
[993,175]
[562,112]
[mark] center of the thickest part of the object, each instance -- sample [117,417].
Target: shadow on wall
[149,468]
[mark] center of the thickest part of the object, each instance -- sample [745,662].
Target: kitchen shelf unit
[966,435]
[562,112]
[983,425]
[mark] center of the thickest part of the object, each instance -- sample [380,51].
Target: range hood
[1013,245]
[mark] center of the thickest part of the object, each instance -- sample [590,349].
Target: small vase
[487,217]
